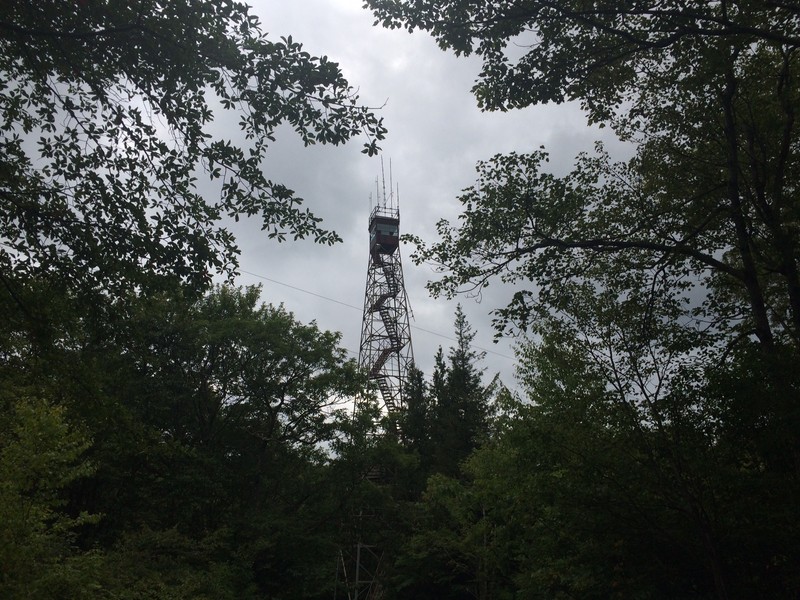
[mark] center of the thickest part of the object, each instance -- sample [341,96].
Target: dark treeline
[164,438]
[204,447]
[175,454]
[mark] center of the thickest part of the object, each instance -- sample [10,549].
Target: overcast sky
[436,136]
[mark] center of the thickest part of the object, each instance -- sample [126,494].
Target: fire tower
[385,353]
[386,357]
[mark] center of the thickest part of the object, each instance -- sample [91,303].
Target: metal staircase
[385,334]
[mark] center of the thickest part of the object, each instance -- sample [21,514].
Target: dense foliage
[708,197]
[160,438]
[182,455]
[663,292]
[111,114]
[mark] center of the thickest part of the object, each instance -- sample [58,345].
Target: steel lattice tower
[385,353]
[386,356]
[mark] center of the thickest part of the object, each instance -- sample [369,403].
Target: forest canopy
[162,437]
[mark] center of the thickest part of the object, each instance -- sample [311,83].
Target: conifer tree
[460,401]
[416,417]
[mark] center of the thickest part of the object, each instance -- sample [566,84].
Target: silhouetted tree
[460,401]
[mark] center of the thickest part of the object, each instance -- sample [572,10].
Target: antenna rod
[383,181]
[391,185]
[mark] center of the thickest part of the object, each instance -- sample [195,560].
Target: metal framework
[385,353]
[358,571]
[386,356]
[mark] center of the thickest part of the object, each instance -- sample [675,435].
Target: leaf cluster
[108,115]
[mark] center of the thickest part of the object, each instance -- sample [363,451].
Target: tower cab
[384,232]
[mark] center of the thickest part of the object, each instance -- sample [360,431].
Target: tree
[227,397]
[209,426]
[107,112]
[593,53]
[707,92]
[243,398]
[448,552]
[665,278]
[578,495]
[41,454]
[460,401]
[227,362]
[693,241]
[417,415]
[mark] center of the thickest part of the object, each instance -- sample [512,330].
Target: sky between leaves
[436,136]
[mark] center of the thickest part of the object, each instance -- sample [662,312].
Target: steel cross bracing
[386,356]
[385,353]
